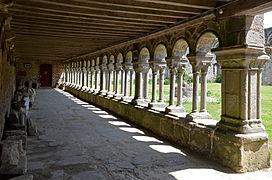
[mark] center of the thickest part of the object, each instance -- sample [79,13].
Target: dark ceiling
[61,29]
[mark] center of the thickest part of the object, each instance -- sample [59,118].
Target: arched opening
[158,67]
[210,76]
[144,58]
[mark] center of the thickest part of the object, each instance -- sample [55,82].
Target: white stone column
[203,99]
[110,79]
[145,84]
[127,66]
[139,69]
[195,89]
[180,70]
[131,82]
[154,68]
[172,64]
[97,77]
[161,84]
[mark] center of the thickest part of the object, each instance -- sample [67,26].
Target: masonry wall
[30,71]
[7,86]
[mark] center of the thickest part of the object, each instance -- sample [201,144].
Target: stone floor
[80,141]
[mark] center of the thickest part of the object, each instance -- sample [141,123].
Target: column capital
[242,57]
[140,66]
[5,4]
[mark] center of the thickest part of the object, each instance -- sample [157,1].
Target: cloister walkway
[80,141]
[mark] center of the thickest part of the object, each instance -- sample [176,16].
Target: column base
[241,152]
[174,109]
[110,94]
[127,98]
[140,102]
[117,96]
[198,115]
[156,105]
[102,92]
[243,127]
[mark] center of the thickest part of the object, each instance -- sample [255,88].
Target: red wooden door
[46,75]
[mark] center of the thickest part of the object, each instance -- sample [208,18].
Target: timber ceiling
[61,29]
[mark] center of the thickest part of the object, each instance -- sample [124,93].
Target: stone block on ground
[23,177]
[31,128]
[10,153]
[21,168]
[23,138]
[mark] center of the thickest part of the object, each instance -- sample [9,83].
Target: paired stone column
[103,74]
[156,70]
[175,66]
[97,78]
[140,68]
[200,64]
[110,79]
[118,71]
[127,66]
[131,73]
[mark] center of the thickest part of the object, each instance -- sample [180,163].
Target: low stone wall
[236,152]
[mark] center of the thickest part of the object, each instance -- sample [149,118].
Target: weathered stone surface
[31,128]
[10,153]
[21,168]
[23,177]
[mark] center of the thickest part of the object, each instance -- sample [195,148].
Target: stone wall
[7,87]
[267,72]
[32,72]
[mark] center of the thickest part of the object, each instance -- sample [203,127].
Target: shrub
[218,78]
[166,81]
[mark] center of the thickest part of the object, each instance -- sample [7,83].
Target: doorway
[46,75]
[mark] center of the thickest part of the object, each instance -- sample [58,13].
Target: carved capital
[241,57]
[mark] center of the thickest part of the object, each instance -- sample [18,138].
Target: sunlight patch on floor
[146,139]
[131,130]
[118,123]
[166,149]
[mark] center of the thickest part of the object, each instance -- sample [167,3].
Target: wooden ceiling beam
[91,14]
[72,26]
[98,9]
[74,30]
[72,19]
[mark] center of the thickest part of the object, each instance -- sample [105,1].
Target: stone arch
[180,48]
[144,55]
[112,59]
[160,53]
[97,61]
[128,56]
[119,58]
[105,59]
[207,41]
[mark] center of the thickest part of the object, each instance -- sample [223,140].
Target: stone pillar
[139,69]
[131,82]
[172,64]
[203,77]
[127,66]
[181,67]
[118,69]
[103,72]
[97,77]
[154,104]
[92,81]
[161,84]
[110,79]
[145,83]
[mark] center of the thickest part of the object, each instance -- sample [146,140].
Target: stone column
[155,66]
[139,69]
[172,64]
[127,66]
[131,82]
[92,81]
[161,84]
[103,72]
[110,79]
[118,69]
[145,83]
[97,77]
[181,67]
